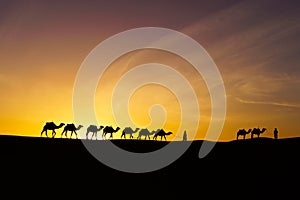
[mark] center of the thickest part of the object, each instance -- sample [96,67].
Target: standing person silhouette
[184,138]
[275,133]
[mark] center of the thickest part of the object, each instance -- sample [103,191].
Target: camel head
[100,128]
[79,127]
[136,130]
[169,133]
[61,125]
[263,130]
[249,130]
[118,128]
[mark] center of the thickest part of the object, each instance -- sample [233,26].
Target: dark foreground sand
[249,168]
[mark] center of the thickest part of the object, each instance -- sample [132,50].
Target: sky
[254,43]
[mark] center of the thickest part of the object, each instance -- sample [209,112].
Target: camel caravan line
[92,131]
[253,132]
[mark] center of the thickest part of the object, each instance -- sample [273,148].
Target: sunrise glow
[255,49]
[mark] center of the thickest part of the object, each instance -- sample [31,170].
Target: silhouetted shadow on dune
[139,146]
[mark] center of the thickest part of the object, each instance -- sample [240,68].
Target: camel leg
[53,133]
[123,135]
[71,134]
[62,134]
[165,137]
[66,134]
[77,135]
[45,133]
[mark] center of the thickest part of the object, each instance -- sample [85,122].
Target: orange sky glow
[254,44]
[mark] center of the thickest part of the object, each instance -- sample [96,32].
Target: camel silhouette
[257,131]
[243,133]
[72,128]
[128,130]
[94,130]
[109,129]
[145,132]
[51,126]
[161,133]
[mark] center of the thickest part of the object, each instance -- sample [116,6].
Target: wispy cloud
[289,105]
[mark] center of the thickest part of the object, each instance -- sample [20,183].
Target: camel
[161,133]
[257,131]
[145,132]
[242,132]
[129,131]
[51,126]
[72,128]
[94,130]
[109,129]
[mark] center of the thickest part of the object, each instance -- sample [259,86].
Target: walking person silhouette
[184,138]
[275,133]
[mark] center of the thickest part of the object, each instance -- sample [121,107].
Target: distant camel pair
[145,132]
[255,131]
[52,126]
[106,130]
[109,129]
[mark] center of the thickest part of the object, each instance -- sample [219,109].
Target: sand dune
[260,162]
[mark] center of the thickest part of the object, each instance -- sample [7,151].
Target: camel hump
[50,123]
[127,129]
